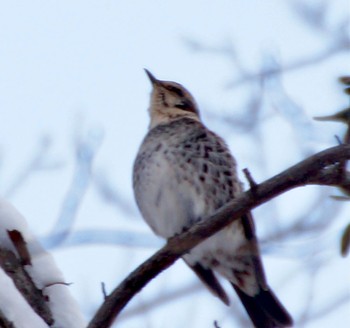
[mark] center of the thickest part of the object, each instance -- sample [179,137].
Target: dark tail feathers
[264,309]
[208,278]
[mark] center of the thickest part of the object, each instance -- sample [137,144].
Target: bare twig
[86,148]
[103,288]
[103,237]
[39,161]
[252,183]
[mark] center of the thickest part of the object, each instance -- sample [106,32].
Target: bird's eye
[181,106]
[186,105]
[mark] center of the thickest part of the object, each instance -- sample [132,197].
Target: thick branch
[318,169]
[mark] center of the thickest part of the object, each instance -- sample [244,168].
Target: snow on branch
[33,291]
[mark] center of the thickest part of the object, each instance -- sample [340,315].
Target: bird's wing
[254,252]
[208,278]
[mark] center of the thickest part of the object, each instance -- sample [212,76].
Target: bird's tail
[264,309]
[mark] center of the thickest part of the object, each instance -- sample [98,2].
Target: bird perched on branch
[182,174]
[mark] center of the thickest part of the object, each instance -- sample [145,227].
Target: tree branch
[321,169]
[15,269]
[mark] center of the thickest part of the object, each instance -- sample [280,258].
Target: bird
[183,173]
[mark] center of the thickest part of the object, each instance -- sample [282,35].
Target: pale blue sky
[68,66]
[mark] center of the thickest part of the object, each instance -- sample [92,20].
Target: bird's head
[170,101]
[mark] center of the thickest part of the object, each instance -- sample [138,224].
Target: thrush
[182,174]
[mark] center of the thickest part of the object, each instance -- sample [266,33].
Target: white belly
[167,202]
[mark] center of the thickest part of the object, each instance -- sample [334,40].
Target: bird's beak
[153,80]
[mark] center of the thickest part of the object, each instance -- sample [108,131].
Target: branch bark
[319,169]
[15,268]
